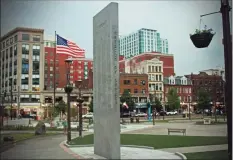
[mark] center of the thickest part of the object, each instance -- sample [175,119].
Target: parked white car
[88,115]
[140,114]
[172,113]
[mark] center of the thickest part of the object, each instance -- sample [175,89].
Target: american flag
[69,48]
[125,105]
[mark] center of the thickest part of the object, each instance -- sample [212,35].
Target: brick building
[136,84]
[183,85]
[79,68]
[211,83]
[127,65]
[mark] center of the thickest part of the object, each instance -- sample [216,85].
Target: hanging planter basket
[202,38]
[68,88]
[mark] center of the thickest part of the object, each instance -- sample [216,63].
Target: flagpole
[54,72]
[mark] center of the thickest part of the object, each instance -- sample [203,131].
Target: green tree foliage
[90,106]
[203,99]
[126,97]
[61,107]
[173,100]
[157,104]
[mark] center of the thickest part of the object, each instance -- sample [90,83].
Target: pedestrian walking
[64,123]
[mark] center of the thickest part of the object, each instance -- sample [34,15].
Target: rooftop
[21,29]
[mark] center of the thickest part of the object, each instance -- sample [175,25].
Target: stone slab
[106,83]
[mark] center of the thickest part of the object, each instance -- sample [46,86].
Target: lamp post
[68,89]
[80,100]
[189,107]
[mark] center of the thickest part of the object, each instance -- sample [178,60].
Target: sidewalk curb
[91,145]
[183,157]
[67,150]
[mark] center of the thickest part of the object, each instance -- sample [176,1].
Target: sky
[174,20]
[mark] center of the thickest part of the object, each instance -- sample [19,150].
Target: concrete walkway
[39,148]
[196,149]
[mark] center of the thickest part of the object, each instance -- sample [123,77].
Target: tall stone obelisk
[106,83]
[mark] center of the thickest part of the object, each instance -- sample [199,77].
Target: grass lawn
[218,155]
[158,141]
[24,136]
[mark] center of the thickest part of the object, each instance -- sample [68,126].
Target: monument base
[139,152]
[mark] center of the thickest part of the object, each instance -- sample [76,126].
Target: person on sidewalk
[64,123]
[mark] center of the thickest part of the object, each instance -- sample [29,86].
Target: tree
[173,100]
[203,100]
[157,104]
[91,106]
[61,107]
[126,97]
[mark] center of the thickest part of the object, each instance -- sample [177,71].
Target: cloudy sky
[175,20]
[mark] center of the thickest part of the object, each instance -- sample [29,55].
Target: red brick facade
[184,92]
[168,62]
[79,69]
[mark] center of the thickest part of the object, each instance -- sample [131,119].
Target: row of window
[154,69]
[180,90]
[143,91]
[152,77]
[134,82]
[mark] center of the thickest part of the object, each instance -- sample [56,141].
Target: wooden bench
[176,130]
[207,121]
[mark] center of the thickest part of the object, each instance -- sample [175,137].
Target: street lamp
[189,98]
[68,89]
[80,100]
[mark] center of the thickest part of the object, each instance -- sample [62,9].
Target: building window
[36,38]
[135,81]
[135,90]
[15,50]
[15,38]
[25,49]
[36,49]
[25,37]
[143,82]
[126,82]
[11,40]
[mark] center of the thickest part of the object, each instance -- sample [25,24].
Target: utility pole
[80,100]
[225,8]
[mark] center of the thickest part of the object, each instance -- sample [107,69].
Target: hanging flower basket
[68,88]
[202,38]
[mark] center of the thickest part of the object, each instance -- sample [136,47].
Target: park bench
[206,121]
[176,130]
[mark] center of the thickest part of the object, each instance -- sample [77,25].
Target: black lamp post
[189,99]
[80,100]
[68,89]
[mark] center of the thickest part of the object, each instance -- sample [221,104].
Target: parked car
[162,113]
[141,114]
[172,113]
[125,114]
[88,115]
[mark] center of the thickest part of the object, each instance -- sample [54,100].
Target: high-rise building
[79,68]
[22,66]
[141,41]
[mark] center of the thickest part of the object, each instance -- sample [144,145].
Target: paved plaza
[43,148]
[191,129]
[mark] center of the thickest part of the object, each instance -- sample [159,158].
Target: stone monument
[106,83]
